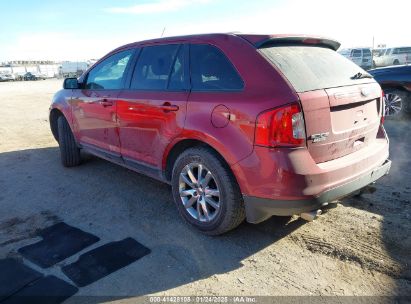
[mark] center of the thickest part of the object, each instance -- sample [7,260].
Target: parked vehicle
[396,83]
[239,125]
[393,56]
[29,76]
[360,56]
[7,77]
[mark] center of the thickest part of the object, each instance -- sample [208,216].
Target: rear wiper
[360,75]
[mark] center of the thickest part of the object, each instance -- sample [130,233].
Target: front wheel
[69,151]
[206,193]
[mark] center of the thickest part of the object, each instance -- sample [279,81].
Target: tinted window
[366,52]
[109,73]
[153,67]
[356,53]
[211,70]
[405,50]
[312,68]
[177,77]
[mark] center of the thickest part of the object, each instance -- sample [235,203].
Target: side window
[405,50]
[395,52]
[109,73]
[356,53]
[211,70]
[177,77]
[366,52]
[388,52]
[153,67]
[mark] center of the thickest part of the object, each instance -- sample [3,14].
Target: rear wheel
[69,151]
[397,104]
[206,193]
[396,62]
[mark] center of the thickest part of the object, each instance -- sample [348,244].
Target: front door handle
[106,103]
[168,107]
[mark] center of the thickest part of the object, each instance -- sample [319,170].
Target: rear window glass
[310,68]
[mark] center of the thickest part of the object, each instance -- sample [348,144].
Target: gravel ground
[360,246]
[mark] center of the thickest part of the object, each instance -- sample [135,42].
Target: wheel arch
[53,117]
[180,146]
[394,87]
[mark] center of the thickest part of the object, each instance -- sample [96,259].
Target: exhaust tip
[310,216]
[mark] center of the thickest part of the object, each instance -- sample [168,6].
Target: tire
[227,210]
[396,62]
[397,104]
[69,151]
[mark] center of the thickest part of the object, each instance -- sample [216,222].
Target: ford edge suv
[241,126]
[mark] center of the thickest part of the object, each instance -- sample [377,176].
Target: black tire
[231,212]
[396,62]
[69,151]
[405,104]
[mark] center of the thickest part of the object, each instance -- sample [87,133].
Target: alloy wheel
[199,192]
[393,104]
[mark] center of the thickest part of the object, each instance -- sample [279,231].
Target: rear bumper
[260,209]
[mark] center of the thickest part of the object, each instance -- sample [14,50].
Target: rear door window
[154,66]
[311,68]
[178,77]
[405,50]
[211,70]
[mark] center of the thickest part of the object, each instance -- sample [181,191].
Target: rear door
[341,112]
[151,112]
[94,105]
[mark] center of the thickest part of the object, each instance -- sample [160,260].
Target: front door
[94,105]
[151,113]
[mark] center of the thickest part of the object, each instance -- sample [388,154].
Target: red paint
[145,125]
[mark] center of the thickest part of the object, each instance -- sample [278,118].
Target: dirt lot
[362,246]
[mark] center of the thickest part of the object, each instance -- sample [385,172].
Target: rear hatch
[341,103]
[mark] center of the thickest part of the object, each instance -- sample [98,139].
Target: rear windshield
[310,68]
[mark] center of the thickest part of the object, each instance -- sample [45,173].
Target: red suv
[241,126]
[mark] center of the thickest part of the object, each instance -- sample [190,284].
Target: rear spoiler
[298,40]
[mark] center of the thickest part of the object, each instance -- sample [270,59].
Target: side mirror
[70,84]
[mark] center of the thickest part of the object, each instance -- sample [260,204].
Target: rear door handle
[106,103]
[168,107]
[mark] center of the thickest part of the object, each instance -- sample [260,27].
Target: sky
[86,29]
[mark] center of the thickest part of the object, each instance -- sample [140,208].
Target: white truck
[393,56]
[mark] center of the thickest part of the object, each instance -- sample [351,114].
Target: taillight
[281,127]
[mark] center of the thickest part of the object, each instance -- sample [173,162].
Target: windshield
[310,68]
